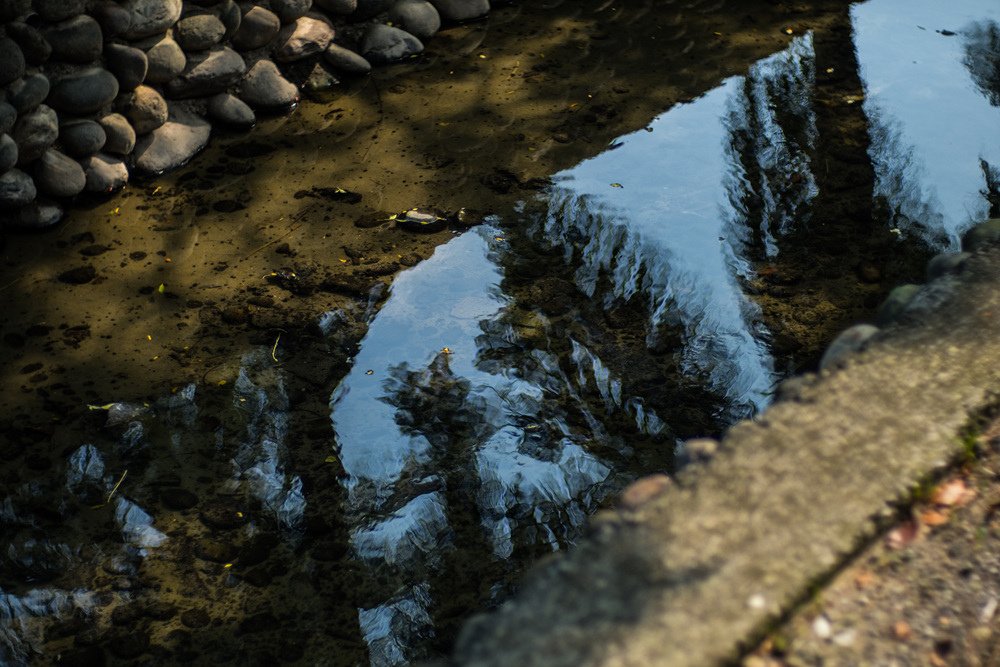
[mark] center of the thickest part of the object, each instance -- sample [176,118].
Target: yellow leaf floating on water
[330,459]
[100,407]
[617,185]
[149,337]
[162,288]
[369,372]
[227,565]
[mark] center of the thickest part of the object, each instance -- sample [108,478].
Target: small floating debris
[421,221]
[330,194]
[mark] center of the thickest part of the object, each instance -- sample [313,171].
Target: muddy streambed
[248,419]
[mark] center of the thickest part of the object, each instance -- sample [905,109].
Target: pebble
[38,215]
[113,19]
[77,40]
[34,47]
[946,263]
[59,10]
[120,134]
[86,91]
[306,37]
[462,10]
[290,10]
[207,73]
[199,32]
[344,60]
[386,44]
[27,93]
[231,110]
[265,87]
[145,109]
[151,17]
[338,7]
[16,189]
[172,144]
[417,17]
[12,9]
[129,65]
[8,116]
[895,304]
[58,175]
[166,61]
[643,490]
[34,132]
[258,27]
[849,341]
[230,15]
[8,153]
[11,61]
[105,174]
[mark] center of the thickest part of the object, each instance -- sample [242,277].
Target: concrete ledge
[702,568]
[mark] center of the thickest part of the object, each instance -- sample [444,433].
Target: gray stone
[8,116]
[11,61]
[114,19]
[895,304]
[82,138]
[8,153]
[27,93]
[385,44]
[366,9]
[290,10]
[264,87]
[230,15]
[12,9]
[344,60]
[945,263]
[105,174]
[846,344]
[34,47]
[982,235]
[54,11]
[83,92]
[306,37]
[127,63]
[144,108]
[58,175]
[207,73]
[172,145]
[462,10]
[231,110]
[35,132]
[151,17]
[337,7]
[78,40]
[417,17]
[120,134]
[38,215]
[199,32]
[166,61]
[258,28]
[320,79]
[16,189]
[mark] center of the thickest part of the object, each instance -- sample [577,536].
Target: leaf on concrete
[953,493]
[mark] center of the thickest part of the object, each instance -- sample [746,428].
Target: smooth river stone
[290,10]
[144,108]
[173,144]
[265,88]
[78,40]
[34,132]
[84,92]
[199,32]
[39,214]
[127,63]
[82,138]
[150,17]
[120,134]
[11,61]
[258,28]
[207,73]
[384,44]
[16,189]
[105,174]
[58,175]
[231,110]
[462,10]
[27,93]
[59,10]
[166,61]
[306,37]
[34,46]
[344,60]
[337,7]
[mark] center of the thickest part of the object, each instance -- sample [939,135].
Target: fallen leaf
[937,660]
[933,518]
[617,185]
[901,630]
[902,535]
[864,579]
[162,288]
[330,459]
[953,493]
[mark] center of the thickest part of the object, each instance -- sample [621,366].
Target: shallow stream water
[364,436]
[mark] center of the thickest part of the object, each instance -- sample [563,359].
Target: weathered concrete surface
[701,571]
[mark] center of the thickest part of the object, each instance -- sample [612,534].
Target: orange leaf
[902,630]
[933,518]
[903,534]
[952,493]
[864,579]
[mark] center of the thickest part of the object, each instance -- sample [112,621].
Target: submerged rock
[171,145]
[38,215]
[944,263]
[846,344]
[384,44]
[895,304]
[264,87]
[344,60]
[231,110]
[982,235]
[105,174]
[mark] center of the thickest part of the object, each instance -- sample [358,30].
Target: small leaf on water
[369,372]
[162,288]
[100,407]
[617,185]
[227,565]
[902,535]
[330,459]
[149,337]
[933,518]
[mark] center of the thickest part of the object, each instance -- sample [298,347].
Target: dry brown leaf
[902,535]
[864,579]
[933,518]
[953,493]
[937,660]
[901,630]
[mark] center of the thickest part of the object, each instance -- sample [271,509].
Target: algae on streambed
[220,518]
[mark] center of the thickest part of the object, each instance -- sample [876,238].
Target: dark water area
[352,495]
